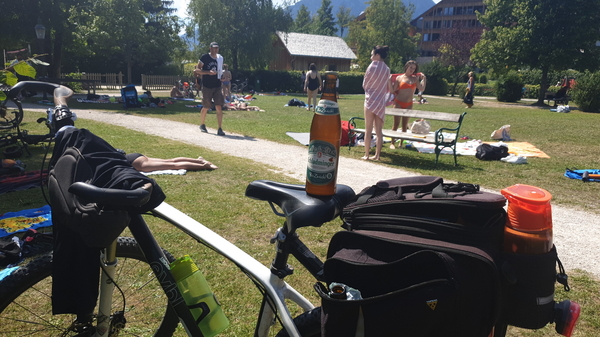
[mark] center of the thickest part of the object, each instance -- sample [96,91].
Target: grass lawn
[566,137]
[216,198]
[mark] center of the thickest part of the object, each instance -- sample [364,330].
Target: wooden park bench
[442,138]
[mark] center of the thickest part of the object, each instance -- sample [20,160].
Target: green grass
[568,138]
[216,198]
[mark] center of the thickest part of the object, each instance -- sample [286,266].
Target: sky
[181,6]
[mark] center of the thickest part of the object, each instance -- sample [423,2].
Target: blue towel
[21,221]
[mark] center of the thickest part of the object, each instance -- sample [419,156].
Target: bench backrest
[439,116]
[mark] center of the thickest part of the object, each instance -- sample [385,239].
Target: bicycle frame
[276,289]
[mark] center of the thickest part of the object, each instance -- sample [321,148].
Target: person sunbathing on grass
[147,164]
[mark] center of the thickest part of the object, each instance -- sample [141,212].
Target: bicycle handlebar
[60,92]
[111,196]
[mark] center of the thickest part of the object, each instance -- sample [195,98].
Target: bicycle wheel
[308,324]
[26,309]
[11,117]
[234,88]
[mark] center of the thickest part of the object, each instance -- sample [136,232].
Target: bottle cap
[528,207]
[183,267]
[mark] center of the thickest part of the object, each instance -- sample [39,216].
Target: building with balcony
[443,16]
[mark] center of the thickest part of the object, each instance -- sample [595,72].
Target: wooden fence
[161,82]
[106,81]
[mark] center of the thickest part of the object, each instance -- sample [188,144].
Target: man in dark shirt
[210,67]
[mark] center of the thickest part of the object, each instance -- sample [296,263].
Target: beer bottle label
[322,157]
[327,108]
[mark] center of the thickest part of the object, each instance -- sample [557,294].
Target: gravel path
[576,233]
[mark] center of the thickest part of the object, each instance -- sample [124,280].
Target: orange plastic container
[528,227]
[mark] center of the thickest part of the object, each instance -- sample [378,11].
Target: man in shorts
[210,66]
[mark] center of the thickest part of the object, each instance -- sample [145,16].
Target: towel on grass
[21,221]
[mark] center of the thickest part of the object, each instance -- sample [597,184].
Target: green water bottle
[197,295]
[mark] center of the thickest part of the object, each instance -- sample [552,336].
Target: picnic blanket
[301,137]
[165,172]
[21,221]
[22,182]
[468,148]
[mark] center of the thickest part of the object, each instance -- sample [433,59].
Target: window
[425,37]
[447,24]
[427,24]
[437,24]
[469,10]
[478,9]
[449,11]
[459,10]
[435,37]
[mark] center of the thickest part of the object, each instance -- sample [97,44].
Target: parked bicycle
[138,294]
[240,86]
[12,116]
[186,89]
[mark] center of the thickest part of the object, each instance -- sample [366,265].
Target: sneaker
[220,132]
[203,128]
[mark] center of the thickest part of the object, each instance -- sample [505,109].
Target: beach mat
[21,221]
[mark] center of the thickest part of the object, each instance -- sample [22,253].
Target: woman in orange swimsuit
[404,89]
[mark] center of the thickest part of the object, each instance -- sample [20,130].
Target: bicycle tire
[308,324]
[234,88]
[26,308]
[10,117]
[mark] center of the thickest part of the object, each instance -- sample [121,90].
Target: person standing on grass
[404,89]
[377,83]
[210,66]
[470,88]
[312,85]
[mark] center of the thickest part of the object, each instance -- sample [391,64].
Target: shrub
[531,91]
[482,89]
[586,92]
[509,87]
[483,79]
[436,78]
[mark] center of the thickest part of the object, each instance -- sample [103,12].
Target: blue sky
[181,5]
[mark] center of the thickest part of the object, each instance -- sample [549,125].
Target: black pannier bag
[410,287]
[390,223]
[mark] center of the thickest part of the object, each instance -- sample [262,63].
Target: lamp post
[40,32]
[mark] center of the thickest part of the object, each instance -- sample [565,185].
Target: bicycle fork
[106,326]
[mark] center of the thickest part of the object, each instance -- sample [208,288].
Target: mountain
[357,6]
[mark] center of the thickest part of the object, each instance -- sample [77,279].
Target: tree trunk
[543,86]
[55,64]
[129,67]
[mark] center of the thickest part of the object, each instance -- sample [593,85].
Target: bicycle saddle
[32,85]
[299,208]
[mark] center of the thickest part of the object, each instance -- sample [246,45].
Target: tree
[303,21]
[539,34]
[387,23]
[324,23]
[127,34]
[244,29]
[344,18]
[455,50]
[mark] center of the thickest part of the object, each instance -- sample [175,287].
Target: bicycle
[146,300]
[22,310]
[186,89]
[11,117]
[240,86]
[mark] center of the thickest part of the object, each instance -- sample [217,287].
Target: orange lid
[529,208]
[527,193]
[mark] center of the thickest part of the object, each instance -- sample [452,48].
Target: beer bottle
[324,145]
